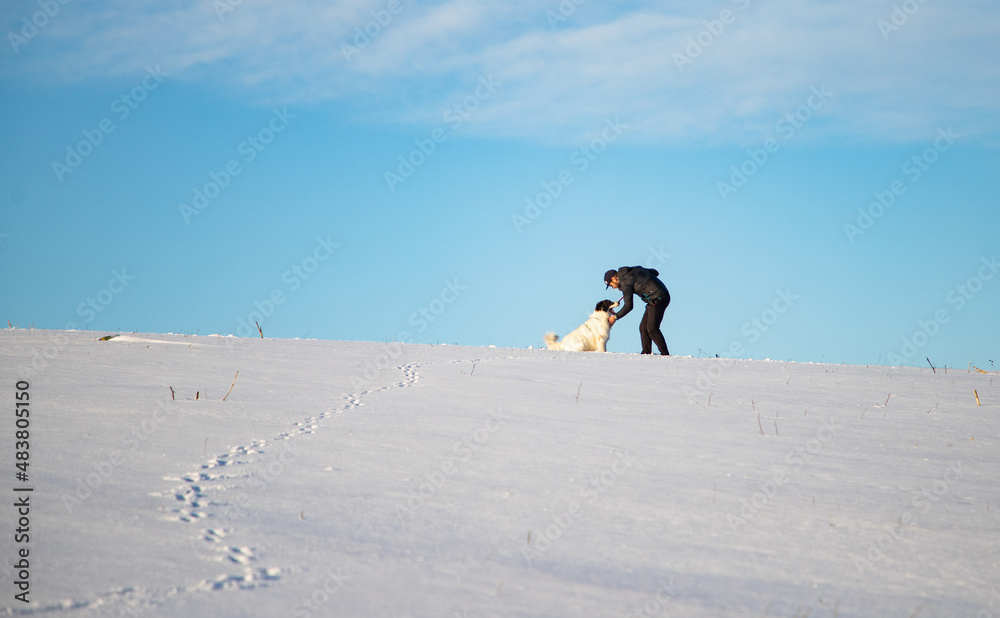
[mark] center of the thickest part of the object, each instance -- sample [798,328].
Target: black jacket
[641,281]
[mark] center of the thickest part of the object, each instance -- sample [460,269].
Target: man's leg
[656,316]
[644,330]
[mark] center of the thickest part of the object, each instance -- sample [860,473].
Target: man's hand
[611,319]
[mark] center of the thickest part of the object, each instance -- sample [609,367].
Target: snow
[373,479]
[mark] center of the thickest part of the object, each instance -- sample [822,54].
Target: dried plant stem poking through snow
[232,385]
[758,417]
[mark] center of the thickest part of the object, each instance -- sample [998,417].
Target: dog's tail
[552,341]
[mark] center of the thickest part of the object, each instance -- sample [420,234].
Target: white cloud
[937,69]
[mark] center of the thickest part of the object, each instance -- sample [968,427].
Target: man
[644,282]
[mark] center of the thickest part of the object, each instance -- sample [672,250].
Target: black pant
[649,328]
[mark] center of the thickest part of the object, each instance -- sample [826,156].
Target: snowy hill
[364,479]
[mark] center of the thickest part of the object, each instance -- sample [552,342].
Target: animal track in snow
[241,555]
[192,493]
[210,478]
[249,579]
[215,535]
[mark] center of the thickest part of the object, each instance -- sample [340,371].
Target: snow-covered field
[364,479]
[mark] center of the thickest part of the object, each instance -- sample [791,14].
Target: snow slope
[363,479]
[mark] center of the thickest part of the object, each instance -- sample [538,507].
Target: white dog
[591,336]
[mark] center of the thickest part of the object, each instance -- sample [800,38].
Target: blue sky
[814,181]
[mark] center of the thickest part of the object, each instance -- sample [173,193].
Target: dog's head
[606,306]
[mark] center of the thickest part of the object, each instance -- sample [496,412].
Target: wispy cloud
[749,63]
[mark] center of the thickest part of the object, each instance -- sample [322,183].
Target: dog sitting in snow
[591,336]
